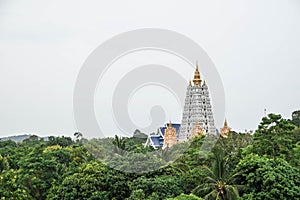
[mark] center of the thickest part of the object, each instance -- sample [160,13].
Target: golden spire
[225,123]
[225,130]
[170,124]
[204,83]
[197,80]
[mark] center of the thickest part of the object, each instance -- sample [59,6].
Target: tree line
[264,165]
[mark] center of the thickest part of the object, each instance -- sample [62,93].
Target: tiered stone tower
[197,109]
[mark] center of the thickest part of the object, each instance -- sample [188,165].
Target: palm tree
[78,135]
[218,184]
[119,145]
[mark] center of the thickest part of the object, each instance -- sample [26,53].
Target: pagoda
[197,109]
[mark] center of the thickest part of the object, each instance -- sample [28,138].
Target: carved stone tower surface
[196,130]
[170,137]
[197,108]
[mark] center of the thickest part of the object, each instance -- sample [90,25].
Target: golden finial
[197,80]
[225,123]
[225,130]
[170,124]
[204,83]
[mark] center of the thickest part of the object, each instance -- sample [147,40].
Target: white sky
[254,44]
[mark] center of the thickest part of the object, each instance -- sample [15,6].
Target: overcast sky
[254,44]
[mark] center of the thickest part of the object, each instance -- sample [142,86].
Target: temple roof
[157,140]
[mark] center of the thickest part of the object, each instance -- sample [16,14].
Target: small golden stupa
[170,137]
[225,130]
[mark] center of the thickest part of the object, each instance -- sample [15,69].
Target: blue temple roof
[162,130]
[158,139]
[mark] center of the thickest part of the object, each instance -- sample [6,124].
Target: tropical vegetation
[263,165]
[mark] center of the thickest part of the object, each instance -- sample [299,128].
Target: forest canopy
[263,165]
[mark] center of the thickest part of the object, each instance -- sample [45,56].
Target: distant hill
[16,138]
[138,134]
[20,138]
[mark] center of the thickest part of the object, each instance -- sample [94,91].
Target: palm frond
[213,194]
[231,192]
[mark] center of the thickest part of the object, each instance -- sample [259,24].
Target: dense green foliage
[242,166]
[296,118]
[267,178]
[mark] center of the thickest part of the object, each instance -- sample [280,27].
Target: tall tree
[274,137]
[218,183]
[296,118]
[268,178]
[78,135]
[120,145]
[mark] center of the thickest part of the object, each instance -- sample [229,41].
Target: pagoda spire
[225,130]
[197,79]
[170,124]
[225,123]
